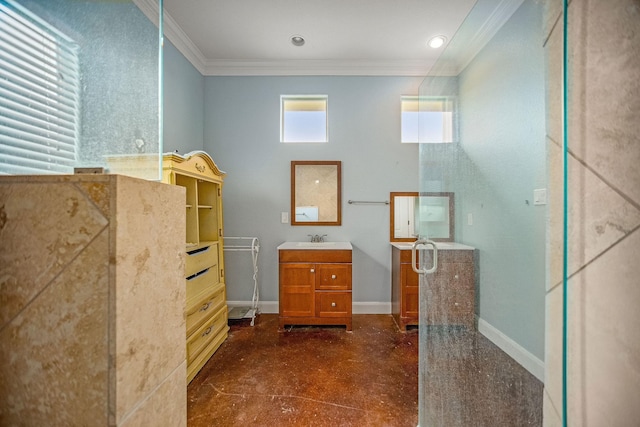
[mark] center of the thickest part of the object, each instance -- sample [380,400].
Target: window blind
[39,94]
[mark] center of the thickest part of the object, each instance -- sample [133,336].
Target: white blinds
[39,95]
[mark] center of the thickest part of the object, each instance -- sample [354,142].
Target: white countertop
[341,246]
[442,246]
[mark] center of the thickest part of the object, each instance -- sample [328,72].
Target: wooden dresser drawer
[333,304]
[200,259]
[200,284]
[207,332]
[203,309]
[315,255]
[333,276]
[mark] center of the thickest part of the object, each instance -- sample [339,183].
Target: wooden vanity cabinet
[450,290]
[315,287]
[206,305]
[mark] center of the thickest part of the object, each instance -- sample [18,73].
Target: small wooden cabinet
[206,309]
[450,291]
[315,285]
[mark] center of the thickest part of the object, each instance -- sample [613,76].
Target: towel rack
[363,202]
[241,244]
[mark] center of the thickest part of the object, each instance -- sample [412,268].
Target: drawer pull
[207,332]
[333,276]
[456,304]
[205,306]
[198,274]
[456,276]
[333,304]
[313,270]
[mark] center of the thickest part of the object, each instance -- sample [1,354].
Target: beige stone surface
[44,227]
[550,415]
[598,216]
[165,406]
[93,298]
[604,56]
[553,348]
[54,364]
[150,307]
[604,350]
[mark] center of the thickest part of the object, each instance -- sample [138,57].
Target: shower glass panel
[482,312]
[94,100]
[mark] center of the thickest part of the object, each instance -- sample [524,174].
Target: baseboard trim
[371,308]
[271,307]
[267,307]
[518,353]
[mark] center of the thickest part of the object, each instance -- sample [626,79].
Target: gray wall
[242,134]
[503,138]
[183,103]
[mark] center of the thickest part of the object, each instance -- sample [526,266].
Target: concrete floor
[325,376]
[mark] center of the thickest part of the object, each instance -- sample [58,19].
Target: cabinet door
[333,276]
[410,282]
[297,290]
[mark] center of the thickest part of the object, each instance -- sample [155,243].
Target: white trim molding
[272,307]
[497,13]
[518,353]
[174,33]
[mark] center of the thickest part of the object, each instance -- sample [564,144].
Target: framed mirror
[316,192]
[413,211]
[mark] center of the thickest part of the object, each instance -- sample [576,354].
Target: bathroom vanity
[315,283]
[450,291]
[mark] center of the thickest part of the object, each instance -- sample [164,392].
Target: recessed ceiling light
[437,42]
[297,40]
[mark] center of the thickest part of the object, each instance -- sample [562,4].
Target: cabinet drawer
[333,304]
[201,310]
[315,255]
[201,283]
[208,331]
[333,276]
[200,259]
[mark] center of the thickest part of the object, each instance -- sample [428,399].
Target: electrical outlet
[469,219]
[540,196]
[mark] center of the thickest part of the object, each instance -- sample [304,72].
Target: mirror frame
[302,163]
[392,218]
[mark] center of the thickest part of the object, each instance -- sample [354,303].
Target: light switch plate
[284,217]
[540,196]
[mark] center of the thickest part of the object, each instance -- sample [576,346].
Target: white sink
[315,244]
[335,246]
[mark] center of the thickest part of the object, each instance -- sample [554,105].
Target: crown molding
[499,15]
[316,68]
[174,33]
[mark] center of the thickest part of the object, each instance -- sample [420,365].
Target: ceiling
[342,37]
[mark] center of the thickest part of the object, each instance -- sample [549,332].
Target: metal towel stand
[240,244]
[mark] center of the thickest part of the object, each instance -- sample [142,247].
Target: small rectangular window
[39,94]
[427,119]
[303,118]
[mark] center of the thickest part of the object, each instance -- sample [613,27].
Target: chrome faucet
[317,238]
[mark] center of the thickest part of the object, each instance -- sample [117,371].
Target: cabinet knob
[333,304]
[333,276]
[313,270]
[455,277]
